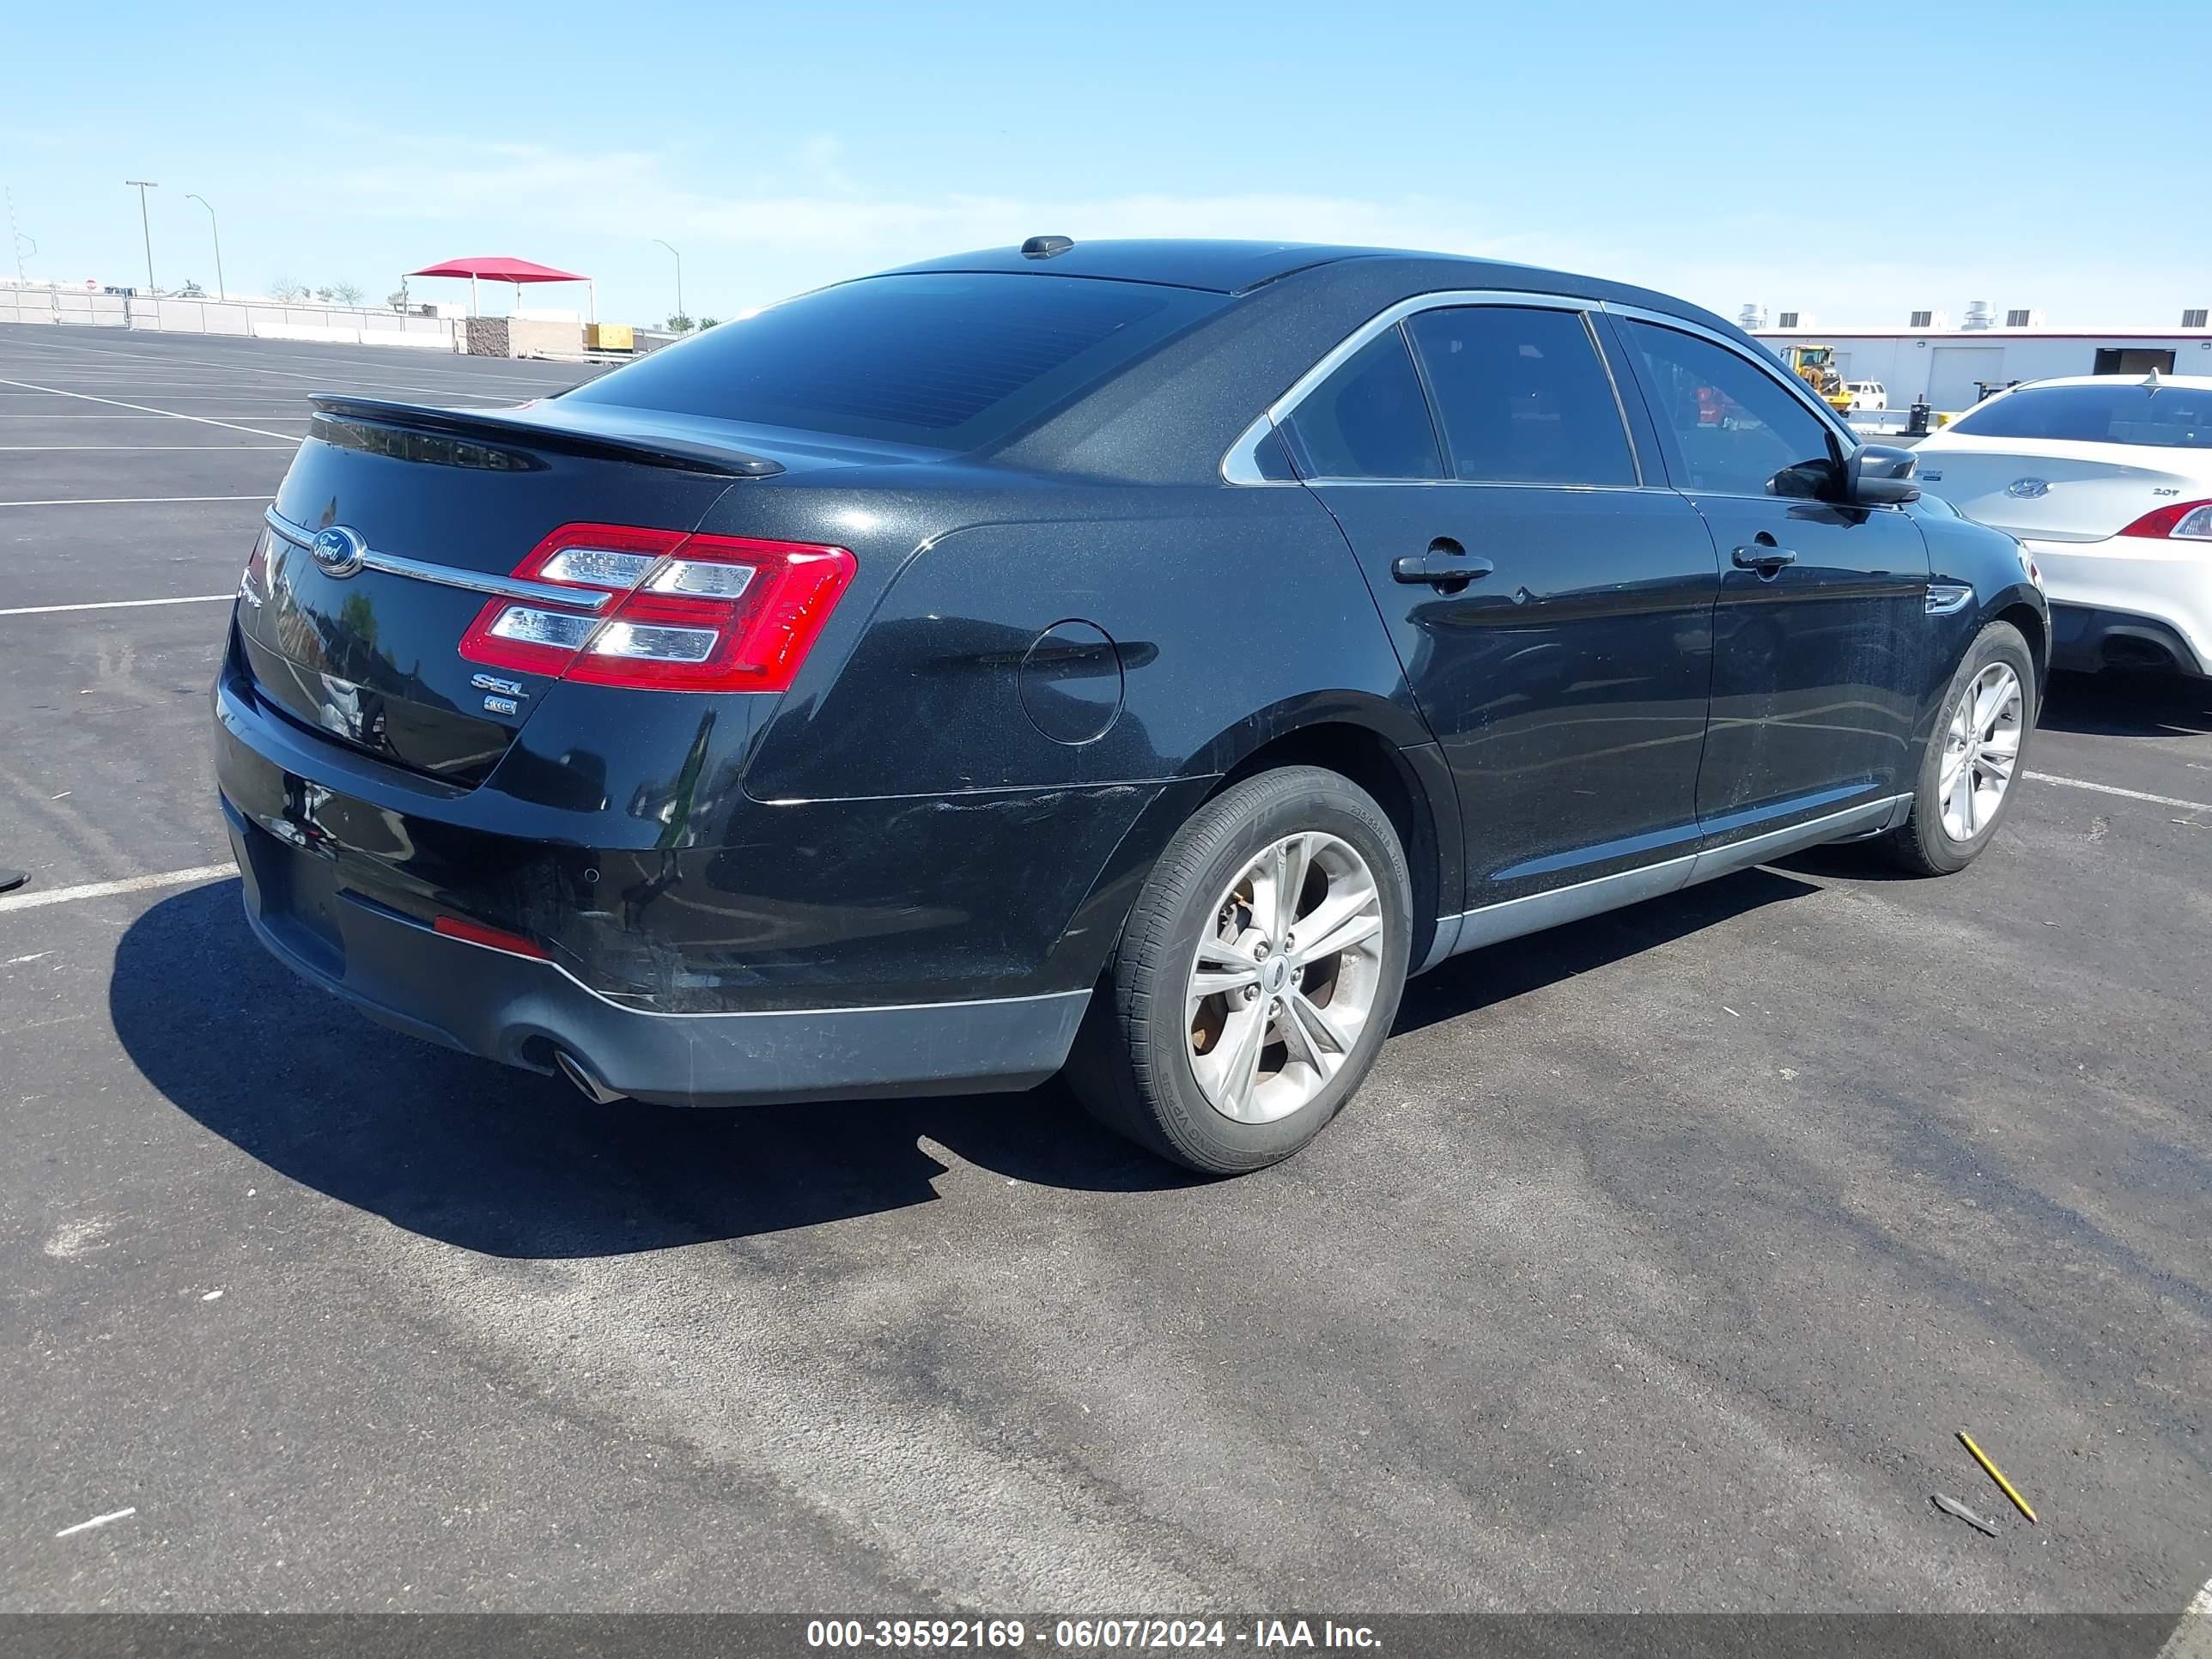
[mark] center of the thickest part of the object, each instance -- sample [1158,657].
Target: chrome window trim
[1239,465]
[446,575]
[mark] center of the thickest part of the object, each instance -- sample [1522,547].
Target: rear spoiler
[348,420]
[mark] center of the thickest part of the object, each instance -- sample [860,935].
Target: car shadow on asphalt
[2116,704]
[509,1164]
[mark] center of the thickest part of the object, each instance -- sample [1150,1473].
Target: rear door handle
[1440,571]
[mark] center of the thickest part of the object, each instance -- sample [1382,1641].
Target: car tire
[1149,1032]
[1939,838]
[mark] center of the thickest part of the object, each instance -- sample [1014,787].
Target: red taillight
[491,938]
[675,613]
[253,583]
[2189,520]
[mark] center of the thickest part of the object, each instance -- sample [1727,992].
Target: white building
[1931,359]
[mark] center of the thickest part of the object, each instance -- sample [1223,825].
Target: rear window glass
[2130,412]
[1368,420]
[950,359]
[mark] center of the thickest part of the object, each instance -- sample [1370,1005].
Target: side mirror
[1880,475]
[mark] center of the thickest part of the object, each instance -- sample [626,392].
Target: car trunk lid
[395,527]
[2054,491]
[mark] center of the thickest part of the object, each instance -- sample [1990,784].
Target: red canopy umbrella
[501,269]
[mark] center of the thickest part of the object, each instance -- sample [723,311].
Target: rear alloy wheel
[1257,976]
[1966,774]
[1283,984]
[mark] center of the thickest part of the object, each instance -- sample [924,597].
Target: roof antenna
[2154,383]
[1043,247]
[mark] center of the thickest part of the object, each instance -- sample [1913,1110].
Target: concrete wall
[529,337]
[521,337]
[260,319]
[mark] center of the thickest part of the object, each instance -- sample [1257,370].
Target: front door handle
[1763,555]
[1440,568]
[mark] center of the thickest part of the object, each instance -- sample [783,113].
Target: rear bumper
[2086,640]
[509,1008]
[2128,599]
[818,951]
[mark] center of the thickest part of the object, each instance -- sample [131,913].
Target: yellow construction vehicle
[1815,365]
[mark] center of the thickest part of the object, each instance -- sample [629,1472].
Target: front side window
[1739,431]
[1368,420]
[2126,412]
[1522,396]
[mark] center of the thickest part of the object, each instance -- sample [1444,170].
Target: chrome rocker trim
[1492,924]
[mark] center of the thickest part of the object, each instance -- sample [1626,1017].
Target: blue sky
[1850,163]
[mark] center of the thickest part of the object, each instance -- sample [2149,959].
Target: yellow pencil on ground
[1996,1475]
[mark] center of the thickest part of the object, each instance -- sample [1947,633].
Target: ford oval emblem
[2027,489]
[338,550]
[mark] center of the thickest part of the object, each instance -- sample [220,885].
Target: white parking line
[132,500]
[98,1521]
[34,898]
[112,605]
[526,382]
[146,409]
[14,401]
[2113,789]
[2192,1637]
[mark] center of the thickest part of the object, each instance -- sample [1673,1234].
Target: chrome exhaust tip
[593,1091]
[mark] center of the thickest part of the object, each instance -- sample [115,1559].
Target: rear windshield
[954,360]
[2130,412]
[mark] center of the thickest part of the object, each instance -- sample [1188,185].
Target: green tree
[679,324]
[708,322]
[348,293]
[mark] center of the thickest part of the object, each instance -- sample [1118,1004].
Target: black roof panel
[1220,267]
[1223,267]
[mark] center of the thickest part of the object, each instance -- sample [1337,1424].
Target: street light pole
[679,276]
[146,230]
[217,234]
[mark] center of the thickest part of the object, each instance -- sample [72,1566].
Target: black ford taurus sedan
[1135,658]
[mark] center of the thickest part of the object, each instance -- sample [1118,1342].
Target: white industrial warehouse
[1947,366]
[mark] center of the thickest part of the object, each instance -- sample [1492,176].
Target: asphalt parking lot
[1656,1268]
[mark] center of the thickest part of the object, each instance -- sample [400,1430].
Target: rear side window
[1368,420]
[1738,431]
[954,360]
[2130,412]
[1522,396]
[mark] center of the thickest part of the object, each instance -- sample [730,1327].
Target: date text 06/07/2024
[1084,1635]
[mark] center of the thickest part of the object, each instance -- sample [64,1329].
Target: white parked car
[1867,394]
[2107,479]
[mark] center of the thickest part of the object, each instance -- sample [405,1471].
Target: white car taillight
[2196,524]
[2189,521]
